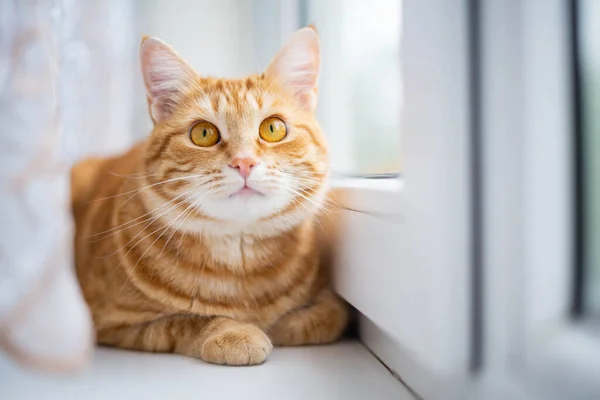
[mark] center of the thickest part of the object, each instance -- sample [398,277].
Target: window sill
[566,362]
[343,370]
[371,196]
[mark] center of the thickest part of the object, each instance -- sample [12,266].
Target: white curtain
[67,79]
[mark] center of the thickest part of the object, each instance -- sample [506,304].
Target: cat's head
[237,150]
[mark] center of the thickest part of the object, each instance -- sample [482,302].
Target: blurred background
[589,31]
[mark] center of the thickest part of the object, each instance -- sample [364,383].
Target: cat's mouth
[246,191]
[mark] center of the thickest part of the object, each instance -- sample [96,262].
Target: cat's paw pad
[240,345]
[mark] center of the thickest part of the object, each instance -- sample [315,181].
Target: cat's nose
[244,165]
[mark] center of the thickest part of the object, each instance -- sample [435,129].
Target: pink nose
[244,165]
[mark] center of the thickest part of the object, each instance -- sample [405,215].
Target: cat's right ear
[296,67]
[166,75]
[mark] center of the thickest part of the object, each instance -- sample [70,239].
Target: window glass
[360,87]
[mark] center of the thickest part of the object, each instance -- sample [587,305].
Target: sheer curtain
[66,82]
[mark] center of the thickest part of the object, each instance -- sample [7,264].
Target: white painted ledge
[373,196]
[342,371]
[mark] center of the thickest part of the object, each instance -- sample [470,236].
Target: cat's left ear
[296,67]
[167,77]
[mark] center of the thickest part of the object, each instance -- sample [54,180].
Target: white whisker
[149,186]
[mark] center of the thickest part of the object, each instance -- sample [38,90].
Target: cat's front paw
[323,321]
[242,344]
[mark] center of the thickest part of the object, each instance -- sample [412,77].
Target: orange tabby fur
[163,266]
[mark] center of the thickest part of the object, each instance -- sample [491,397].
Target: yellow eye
[205,134]
[272,130]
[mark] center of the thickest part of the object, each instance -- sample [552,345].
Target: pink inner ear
[304,74]
[164,94]
[163,87]
[304,82]
[165,75]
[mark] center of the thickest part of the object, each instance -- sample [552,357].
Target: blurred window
[589,152]
[360,85]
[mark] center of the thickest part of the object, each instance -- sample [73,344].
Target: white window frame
[404,258]
[533,347]
[403,254]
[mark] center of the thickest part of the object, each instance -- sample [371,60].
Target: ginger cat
[201,240]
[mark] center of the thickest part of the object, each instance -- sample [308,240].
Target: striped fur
[170,260]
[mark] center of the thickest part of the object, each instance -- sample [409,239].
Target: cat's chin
[244,205]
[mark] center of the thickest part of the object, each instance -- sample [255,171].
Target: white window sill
[570,353]
[372,196]
[344,370]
